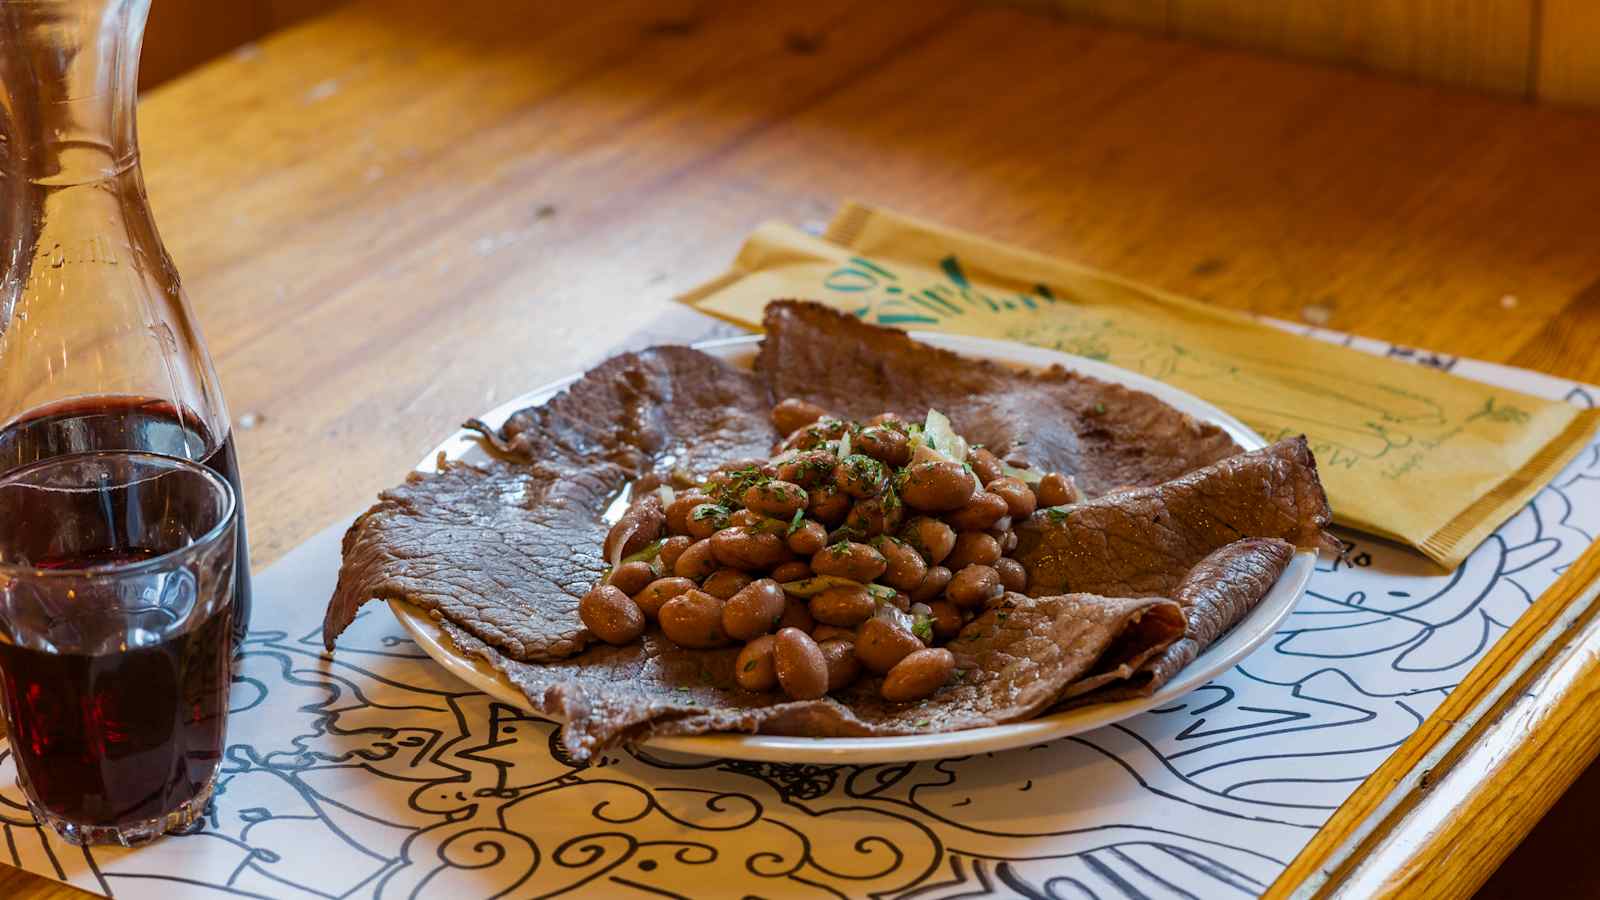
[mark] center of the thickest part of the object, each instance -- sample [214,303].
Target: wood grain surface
[181,34]
[1543,50]
[1486,44]
[390,218]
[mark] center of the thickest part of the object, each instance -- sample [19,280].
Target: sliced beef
[1015,660]
[662,408]
[1103,434]
[1216,594]
[505,550]
[500,553]
[1141,543]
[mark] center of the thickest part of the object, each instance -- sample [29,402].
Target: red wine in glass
[133,423]
[116,611]
[118,738]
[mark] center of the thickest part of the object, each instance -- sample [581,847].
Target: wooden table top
[390,218]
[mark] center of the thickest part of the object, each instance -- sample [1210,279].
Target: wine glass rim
[162,560]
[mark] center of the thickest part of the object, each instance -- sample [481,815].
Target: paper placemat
[373,774]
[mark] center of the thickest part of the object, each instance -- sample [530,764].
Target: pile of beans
[856,546]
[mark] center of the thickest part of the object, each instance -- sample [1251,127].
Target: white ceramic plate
[1218,658]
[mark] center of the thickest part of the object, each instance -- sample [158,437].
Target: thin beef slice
[1105,435]
[1142,543]
[1014,660]
[506,549]
[489,547]
[1217,593]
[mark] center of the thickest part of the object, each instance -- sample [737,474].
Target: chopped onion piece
[881,592]
[943,438]
[895,616]
[769,525]
[844,444]
[816,584]
[1029,477]
[648,552]
[666,494]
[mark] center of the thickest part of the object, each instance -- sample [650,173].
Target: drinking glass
[116,603]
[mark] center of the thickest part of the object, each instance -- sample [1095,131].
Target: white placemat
[372,774]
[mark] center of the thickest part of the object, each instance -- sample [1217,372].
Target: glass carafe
[98,347]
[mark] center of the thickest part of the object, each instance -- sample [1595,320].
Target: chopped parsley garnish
[866,468]
[1099,409]
[1058,513]
[709,511]
[750,665]
[844,533]
[729,487]
[798,520]
[923,628]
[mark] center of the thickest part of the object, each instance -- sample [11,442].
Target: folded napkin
[1406,452]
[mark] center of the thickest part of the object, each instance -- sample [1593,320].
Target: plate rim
[867,750]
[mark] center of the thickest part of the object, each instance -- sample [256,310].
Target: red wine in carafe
[133,423]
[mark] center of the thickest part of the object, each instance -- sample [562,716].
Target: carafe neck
[68,83]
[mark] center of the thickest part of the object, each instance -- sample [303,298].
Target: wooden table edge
[1416,826]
